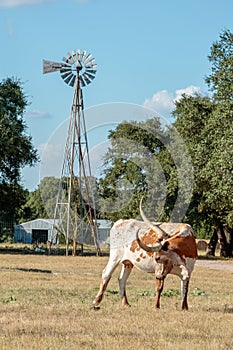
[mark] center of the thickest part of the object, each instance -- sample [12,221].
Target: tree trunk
[225,245]
[210,251]
[229,239]
[74,250]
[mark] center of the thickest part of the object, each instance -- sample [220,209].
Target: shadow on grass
[224,309]
[215,258]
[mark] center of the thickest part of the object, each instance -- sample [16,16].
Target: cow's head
[165,259]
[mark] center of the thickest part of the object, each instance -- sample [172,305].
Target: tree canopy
[140,156]
[16,148]
[220,81]
[129,166]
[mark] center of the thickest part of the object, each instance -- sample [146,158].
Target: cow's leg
[159,289]
[184,271]
[106,276]
[184,292]
[125,272]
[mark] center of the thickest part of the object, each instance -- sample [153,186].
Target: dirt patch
[217,265]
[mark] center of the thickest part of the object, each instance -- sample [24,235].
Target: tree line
[143,161]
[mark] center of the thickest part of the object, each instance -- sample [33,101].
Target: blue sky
[147,52]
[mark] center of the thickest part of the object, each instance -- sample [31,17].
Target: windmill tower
[75,213]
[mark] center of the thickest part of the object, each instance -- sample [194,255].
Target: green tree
[33,208]
[220,81]
[48,189]
[131,170]
[206,126]
[40,203]
[16,149]
[207,131]
[150,160]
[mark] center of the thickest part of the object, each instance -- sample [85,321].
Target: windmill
[74,212]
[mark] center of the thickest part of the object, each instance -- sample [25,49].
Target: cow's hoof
[127,305]
[94,307]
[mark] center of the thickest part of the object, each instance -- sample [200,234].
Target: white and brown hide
[159,248]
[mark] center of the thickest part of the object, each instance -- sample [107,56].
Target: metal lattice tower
[75,213]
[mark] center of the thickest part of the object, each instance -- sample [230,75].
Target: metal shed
[35,231]
[40,231]
[103,231]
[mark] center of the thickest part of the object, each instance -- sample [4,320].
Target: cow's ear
[165,246]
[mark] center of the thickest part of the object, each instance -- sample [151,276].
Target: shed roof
[31,222]
[104,223]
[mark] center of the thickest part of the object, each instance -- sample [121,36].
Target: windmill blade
[83,55]
[70,58]
[65,68]
[87,80]
[72,80]
[64,59]
[92,71]
[79,55]
[82,82]
[64,75]
[87,57]
[90,76]
[66,65]
[91,67]
[49,66]
[68,79]
[74,54]
[90,62]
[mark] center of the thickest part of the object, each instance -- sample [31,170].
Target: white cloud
[163,101]
[34,113]
[160,101]
[17,3]
[190,91]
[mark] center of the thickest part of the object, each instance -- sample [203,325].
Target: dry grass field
[51,309]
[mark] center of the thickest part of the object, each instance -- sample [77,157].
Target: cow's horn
[160,233]
[146,247]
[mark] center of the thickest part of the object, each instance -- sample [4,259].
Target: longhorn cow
[161,248]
